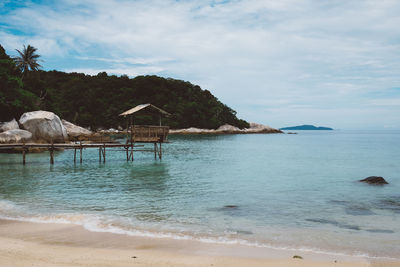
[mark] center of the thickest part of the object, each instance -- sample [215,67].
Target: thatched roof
[149,107]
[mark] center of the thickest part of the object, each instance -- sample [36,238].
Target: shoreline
[47,244]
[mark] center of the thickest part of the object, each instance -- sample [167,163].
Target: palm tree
[27,59]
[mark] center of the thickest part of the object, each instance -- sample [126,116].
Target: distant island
[306,127]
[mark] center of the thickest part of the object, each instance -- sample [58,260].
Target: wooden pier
[128,148]
[137,136]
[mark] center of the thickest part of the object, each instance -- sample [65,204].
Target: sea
[286,191]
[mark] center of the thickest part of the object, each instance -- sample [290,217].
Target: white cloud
[291,55]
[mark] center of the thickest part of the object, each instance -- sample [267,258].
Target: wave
[108,224]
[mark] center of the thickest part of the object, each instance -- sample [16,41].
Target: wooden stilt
[155,150]
[127,153]
[52,154]
[132,150]
[74,155]
[99,154]
[81,152]
[160,152]
[23,154]
[104,154]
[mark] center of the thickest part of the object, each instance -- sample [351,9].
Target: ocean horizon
[264,190]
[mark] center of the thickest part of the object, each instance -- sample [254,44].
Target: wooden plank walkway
[129,148]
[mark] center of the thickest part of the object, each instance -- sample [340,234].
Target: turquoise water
[285,191]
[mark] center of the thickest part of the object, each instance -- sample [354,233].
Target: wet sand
[48,244]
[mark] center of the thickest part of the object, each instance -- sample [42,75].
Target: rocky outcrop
[74,131]
[45,126]
[260,128]
[15,136]
[10,125]
[374,180]
[191,130]
[228,129]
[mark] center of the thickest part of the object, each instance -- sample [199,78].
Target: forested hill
[96,101]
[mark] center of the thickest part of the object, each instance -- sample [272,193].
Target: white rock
[256,128]
[10,125]
[15,136]
[228,128]
[44,125]
[75,130]
[191,130]
[254,125]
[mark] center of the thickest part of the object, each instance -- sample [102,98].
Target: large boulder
[15,136]
[75,130]
[44,125]
[374,180]
[10,125]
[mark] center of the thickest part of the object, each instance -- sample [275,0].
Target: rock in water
[44,126]
[75,130]
[10,125]
[15,136]
[375,180]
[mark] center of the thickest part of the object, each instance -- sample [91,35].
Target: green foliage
[27,59]
[14,100]
[96,101]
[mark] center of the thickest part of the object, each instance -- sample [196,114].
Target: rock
[44,126]
[297,257]
[15,136]
[291,133]
[10,125]
[260,128]
[374,180]
[191,130]
[75,130]
[228,128]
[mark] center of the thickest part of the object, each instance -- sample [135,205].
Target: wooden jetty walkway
[129,148]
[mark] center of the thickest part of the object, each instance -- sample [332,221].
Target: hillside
[96,101]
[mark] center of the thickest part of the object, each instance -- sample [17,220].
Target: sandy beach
[47,244]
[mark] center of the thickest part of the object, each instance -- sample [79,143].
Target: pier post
[52,153]
[104,153]
[81,152]
[23,154]
[74,155]
[127,153]
[155,150]
[100,154]
[132,150]
[160,152]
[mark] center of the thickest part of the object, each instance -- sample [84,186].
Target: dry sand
[42,244]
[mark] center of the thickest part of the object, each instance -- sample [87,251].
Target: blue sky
[281,63]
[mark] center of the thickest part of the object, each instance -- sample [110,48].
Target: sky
[281,63]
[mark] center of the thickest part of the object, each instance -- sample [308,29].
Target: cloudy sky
[284,62]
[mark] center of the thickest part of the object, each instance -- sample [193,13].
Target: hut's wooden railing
[149,133]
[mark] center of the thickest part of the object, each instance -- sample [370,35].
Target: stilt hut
[146,133]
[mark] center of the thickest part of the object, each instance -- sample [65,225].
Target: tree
[14,99]
[27,59]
